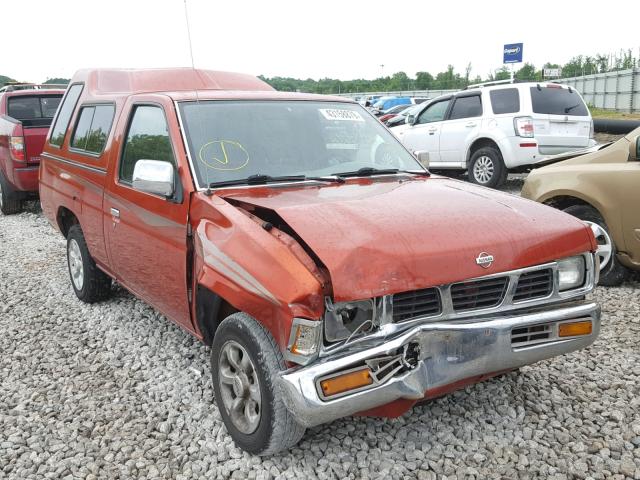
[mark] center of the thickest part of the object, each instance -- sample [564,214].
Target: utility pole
[381,70]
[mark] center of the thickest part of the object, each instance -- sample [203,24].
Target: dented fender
[255,269]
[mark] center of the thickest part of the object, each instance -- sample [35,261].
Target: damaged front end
[415,345]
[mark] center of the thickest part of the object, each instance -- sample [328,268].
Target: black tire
[613,273]
[497,174]
[10,201]
[277,429]
[95,285]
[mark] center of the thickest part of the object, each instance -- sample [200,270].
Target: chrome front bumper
[449,352]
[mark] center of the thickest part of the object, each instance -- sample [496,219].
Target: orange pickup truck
[328,270]
[26,111]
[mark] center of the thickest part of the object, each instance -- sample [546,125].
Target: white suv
[491,129]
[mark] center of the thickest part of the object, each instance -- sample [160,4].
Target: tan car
[601,186]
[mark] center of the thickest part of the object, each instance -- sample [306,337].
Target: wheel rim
[240,387]
[605,246]
[76,267]
[483,169]
[1,202]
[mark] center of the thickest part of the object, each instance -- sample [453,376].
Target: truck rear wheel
[10,201]
[612,272]
[244,362]
[89,282]
[487,168]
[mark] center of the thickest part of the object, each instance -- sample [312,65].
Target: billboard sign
[552,72]
[512,53]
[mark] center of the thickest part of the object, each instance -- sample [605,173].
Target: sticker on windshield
[341,114]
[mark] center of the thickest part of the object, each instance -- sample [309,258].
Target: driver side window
[434,113]
[147,138]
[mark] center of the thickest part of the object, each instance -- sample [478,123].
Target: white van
[491,129]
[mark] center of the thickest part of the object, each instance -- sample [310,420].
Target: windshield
[233,140]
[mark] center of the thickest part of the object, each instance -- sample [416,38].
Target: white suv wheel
[483,169]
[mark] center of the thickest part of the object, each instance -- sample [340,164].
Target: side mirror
[410,119]
[154,176]
[423,158]
[634,149]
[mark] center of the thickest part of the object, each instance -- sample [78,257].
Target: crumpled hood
[382,237]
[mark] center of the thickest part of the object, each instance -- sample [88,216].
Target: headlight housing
[571,273]
[345,319]
[304,340]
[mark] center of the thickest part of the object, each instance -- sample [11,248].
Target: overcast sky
[343,39]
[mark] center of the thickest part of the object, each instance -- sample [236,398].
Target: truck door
[147,234]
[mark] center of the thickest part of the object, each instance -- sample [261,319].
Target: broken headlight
[346,319]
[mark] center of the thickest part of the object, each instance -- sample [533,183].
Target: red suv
[26,112]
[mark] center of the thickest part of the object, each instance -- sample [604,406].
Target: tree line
[446,80]
[58,81]
[450,79]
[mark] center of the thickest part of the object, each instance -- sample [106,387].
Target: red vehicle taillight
[523,126]
[16,148]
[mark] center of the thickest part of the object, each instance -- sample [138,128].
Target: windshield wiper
[568,109]
[261,179]
[258,179]
[370,171]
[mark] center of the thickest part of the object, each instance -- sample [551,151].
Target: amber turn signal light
[346,382]
[575,328]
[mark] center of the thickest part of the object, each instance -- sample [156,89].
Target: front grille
[478,294]
[536,284]
[525,336]
[419,303]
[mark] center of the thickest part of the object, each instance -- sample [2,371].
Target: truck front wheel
[10,202]
[244,362]
[89,282]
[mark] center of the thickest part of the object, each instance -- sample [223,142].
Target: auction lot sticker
[340,114]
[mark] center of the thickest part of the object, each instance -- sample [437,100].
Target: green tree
[424,80]
[527,72]
[467,73]
[57,80]
[4,80]
[399,81]
[503,73]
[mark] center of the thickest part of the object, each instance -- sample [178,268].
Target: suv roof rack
[13,86]
[492,82]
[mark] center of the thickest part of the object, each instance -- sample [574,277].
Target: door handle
[115,212]
[471,124]
[432,130]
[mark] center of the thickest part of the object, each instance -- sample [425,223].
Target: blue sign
[512,53]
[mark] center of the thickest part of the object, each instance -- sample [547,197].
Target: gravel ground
[115,390]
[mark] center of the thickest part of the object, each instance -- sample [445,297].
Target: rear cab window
[556,100]
[64,115]
[33,110]
[505,100]
[92,128]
